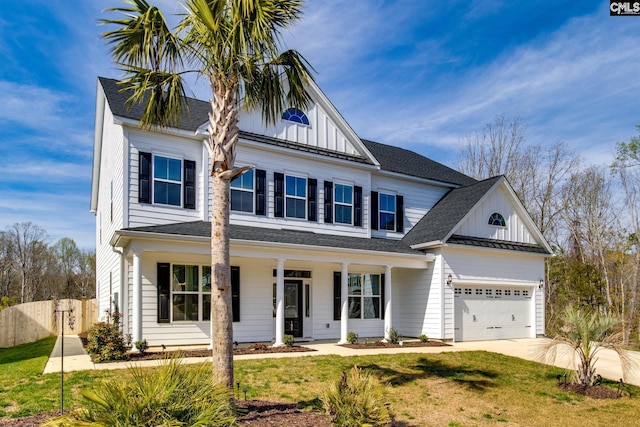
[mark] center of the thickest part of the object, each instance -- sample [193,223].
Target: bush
[142,346]
[357,399]
[288,340]
[394,336]
[352,337]
[423,338]
[172,395]
[105,340]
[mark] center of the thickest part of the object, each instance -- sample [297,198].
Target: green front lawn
[447,389]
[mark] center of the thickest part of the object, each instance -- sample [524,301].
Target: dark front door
[293,307]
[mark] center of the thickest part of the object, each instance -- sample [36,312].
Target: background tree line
[33,270]
[587,212]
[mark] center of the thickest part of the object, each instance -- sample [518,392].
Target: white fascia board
[124,121]
[502,251]
[426,245]
[97,148]
[306,154]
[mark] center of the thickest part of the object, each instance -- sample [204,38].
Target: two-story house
[329,234]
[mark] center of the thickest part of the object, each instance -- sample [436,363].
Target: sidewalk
[608,365]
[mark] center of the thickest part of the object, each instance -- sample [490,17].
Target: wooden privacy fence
[23,323]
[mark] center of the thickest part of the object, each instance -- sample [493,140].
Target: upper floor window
[167,181]
[343,200]
[296,116]
[387,211]
[242,192]
[295,197]
[497,219]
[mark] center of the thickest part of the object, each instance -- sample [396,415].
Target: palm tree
[235,46]
[585,334]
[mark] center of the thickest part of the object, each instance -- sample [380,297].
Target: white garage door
[490,313]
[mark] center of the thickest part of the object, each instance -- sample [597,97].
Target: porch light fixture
[449,280]
[541,284]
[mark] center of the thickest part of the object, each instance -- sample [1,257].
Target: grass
[447,389]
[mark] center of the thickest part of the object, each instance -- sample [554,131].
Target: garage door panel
[486,313]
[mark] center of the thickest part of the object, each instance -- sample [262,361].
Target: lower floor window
[191,293]
[364,296]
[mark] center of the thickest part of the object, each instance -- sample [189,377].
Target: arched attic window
[296,116]
[497,220]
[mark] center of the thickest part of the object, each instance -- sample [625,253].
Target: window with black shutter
[374,210]
[164,291]
[261,185]
[144,177]
[337,299]
[312,199]
[399,214]
[235,293]
[189,184]
[278,194]
[357,206]
[328,201]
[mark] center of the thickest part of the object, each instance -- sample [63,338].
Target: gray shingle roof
[393,159]
[258,234]
[448,212]
[399,160]
[496,244]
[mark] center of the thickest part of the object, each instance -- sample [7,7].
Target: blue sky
[416,74]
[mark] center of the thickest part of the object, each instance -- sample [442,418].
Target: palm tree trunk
[221,314]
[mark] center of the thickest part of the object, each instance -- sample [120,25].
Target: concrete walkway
[608,365]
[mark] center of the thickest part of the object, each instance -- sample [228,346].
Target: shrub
[105,340]
[394,336]
[288,340]
[142,346]
[352,337]
[357,399]
[172,395]
[423,338]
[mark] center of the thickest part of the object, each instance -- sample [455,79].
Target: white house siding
[477,223]
[540,312]
[416,302]
[322,131]
[309,166]
[419,198]
[107,261]
[497,268]
[144,214]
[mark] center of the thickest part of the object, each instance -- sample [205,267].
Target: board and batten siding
[109,211]
[322,131]
[307,167]
[145,214]
[477,224]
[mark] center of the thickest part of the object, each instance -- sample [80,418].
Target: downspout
[121,298]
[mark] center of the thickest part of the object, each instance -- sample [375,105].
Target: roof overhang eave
[433,243]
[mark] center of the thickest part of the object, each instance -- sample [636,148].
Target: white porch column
[388,315]
[344,303]
[136,330]
[279,304]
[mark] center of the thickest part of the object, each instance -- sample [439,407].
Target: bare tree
[26,239]
[87,273]
[68,257]
[7,266]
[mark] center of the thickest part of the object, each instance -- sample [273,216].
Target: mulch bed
[258,414]
[382,344]
[593,391]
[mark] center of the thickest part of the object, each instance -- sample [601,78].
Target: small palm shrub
[105,340]
[352,337]
[171,395]
[288,340]
[394,336]
[423,338]
[357,399]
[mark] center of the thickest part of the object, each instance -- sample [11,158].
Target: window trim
[497,216]
[389,212]
[336,203]
[166,180]
[288,196]
[252,191]
[363,296]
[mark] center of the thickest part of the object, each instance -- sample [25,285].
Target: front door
[293,307]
